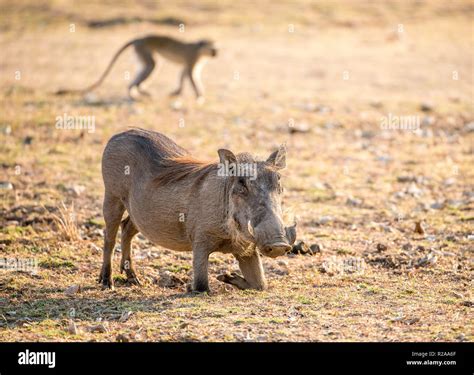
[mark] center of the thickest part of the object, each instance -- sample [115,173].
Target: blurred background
[324,77]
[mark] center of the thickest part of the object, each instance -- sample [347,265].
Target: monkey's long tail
[102,77]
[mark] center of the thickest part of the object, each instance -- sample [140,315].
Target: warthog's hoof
[106,281]
[234,279]
[133,279]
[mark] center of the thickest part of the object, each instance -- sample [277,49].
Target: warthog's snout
[276,249]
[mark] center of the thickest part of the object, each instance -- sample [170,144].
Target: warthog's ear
[226,156]
[278,158]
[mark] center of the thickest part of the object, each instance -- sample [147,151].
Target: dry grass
[357,189]
[66,223]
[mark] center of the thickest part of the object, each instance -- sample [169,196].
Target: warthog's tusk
[250,229]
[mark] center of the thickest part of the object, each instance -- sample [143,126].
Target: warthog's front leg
[200,268]
[252,269]
[113,211]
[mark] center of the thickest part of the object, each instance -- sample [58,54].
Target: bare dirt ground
[324,78]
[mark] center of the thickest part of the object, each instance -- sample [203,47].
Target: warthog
[184,204]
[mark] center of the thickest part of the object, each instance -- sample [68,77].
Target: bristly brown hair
[177,168]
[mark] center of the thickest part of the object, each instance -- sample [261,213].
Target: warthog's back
[165,191]
[134,155]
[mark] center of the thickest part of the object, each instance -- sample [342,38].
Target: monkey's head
[207,48]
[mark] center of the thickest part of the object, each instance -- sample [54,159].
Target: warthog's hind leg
[128,232]
[113,211]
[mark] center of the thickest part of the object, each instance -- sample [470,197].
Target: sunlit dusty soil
[330,81]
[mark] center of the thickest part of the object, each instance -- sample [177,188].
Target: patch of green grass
[179,268]
[342,251]
[450,301]
[98,222]
[16,231]
[305,300]
[55,263]
[120,279]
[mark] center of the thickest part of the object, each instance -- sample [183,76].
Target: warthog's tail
[102,77]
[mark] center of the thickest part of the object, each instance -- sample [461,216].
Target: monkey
[191,56]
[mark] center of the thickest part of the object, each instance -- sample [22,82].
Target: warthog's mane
[178,168]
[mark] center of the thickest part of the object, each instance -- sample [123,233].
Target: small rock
[332,125]
[6,185]
[324,220]
[406,178]
[169,280]
[427,121]
[414,190]
[449,182]
[302,128]
[381,247]
[407,247]
[123,337]
[461,337]
[411,321]
[77,190]
[125,316]
[430,259]
[282,270]
[95,249]
[300,248]
[431,237]
[437,205]
[377,104]
[73,289]
[100,328]
[419,228]
[426,107]
[353,202]
[72,328]
[315,248]
[177,105]
[469,127]
[384,158]
[400,317]
[455,203]
[327,269]
[7,130]
[467,303]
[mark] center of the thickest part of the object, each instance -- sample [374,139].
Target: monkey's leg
[148,64]
[194,75]
[181,83]
[158,65]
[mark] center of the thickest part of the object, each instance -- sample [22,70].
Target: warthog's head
[254,201]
